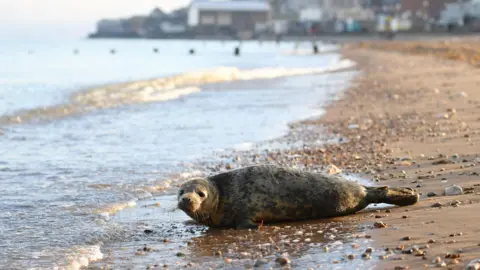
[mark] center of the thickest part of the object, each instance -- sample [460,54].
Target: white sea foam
[81,256]
[173,87]
[73,258]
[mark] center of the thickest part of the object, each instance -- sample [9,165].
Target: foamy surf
[160,90]
[74,258]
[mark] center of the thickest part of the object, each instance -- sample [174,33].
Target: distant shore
[329,37]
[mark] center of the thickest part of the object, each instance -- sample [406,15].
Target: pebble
[228,260]
[244,254]
[218,253]
[453,190]
[419,253]
[366,256]
[452,256]
[431,194]
[406,238]
[437,205]
[332,169]
[282,260]
[400,267]
[180,254]
[351,256]
[441,264]
[260,262]
[473,265]
[369,250]
[379,225]
[454,261]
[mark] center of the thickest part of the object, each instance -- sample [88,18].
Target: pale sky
[69,18]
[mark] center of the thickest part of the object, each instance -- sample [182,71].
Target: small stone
[369,250]
[228,260]
[404,217]
[437,260]
[419,253]
[437,205]
[431,194]
[260,262]
[366,256]
[473,265]
[454,261]
[432,241]
[441,264]
[180,254]
[355,245]
[218,253]
[148,231]
[455,203]
[406,238]
[453,190]
[282,260]
[379,225]
[351,256]
[332,169]
[244,254]
[452,256]
[400,267]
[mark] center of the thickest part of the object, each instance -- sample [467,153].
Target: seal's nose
[186,200]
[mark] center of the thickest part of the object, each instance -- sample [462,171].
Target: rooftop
[222,5]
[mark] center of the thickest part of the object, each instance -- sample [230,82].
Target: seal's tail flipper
[401,196]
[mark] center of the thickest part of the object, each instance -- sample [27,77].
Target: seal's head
[198,198]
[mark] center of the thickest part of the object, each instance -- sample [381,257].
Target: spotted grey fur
[246,197]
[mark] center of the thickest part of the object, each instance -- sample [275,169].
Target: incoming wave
[157,90]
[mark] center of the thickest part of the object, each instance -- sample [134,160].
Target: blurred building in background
[246,19]
[242,19]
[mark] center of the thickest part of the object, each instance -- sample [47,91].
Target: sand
[408,110]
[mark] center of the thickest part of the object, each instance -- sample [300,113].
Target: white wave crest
[173,87]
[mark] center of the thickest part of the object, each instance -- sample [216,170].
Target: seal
[250,196]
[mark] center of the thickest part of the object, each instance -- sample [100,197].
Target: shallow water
[65,184]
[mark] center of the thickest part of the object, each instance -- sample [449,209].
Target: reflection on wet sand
[307,244]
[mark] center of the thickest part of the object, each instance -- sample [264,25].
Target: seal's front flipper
[246,224]
[401,196]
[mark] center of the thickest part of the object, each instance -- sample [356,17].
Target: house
[235,18]
[161,25]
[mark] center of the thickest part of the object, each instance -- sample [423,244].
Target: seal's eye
[180,192]
[201,194]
